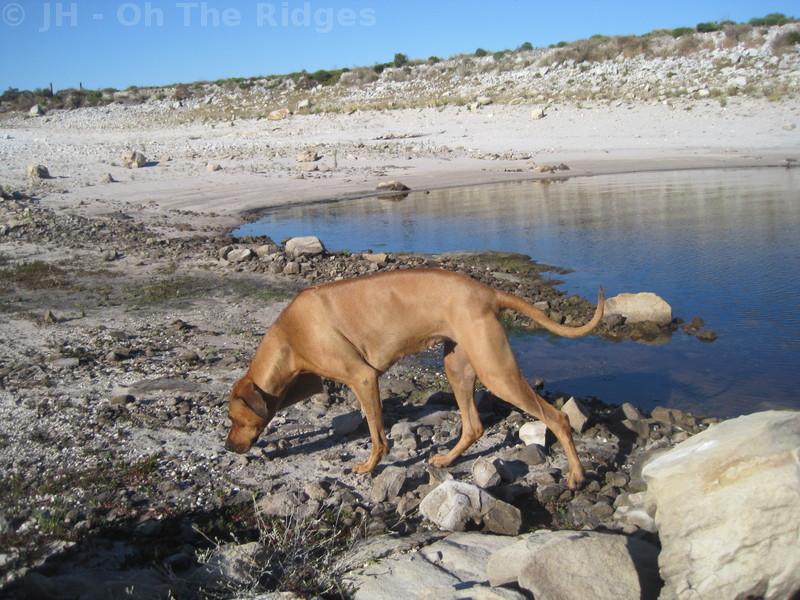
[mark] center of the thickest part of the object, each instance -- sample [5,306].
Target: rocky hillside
[731,60]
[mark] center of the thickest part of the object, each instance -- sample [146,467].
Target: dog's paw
[575,480]
[365,467]
[439,461]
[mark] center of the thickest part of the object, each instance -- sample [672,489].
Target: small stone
[380,258]
[122,400]
[707,335]
[224,251]
[213,167]
[386,486]
[37,172]
[279,114]
[347,423]
[534,432]
[577,413]
[292,268]
[50,317]
[485,473]
[135,160]
[110,255]
[107,178]
[308,156]
[304,246]
[392,186]
[189,356]
[36,111]
[239,255]
[265,250]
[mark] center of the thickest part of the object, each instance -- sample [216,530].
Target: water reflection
[719,244]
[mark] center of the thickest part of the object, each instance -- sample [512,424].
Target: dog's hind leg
[462,377]
[487,347]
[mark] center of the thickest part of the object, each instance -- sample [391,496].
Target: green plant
[772,19]
[786,40]
[681,31]
[480,52]
[432,60]
[400,60]
[525,46]
[708,27]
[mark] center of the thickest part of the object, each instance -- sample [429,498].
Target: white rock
[636,308]
[453,504]
[601,566]
[36,111]
[533,432]
[279,114]
[307,156]
[577,413]
[727,509]
[485,473]
[213,167]
[239,255]
[304,246]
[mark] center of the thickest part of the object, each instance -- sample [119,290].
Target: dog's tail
[519,305]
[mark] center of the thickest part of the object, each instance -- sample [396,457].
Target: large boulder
[308,245]
[727,510]
[578,564]
[637,308]
[453,504]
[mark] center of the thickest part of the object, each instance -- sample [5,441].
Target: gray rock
[407,578]
[304,246]
[392,186]
[134,160]
[232,563]
[601,566]
[485,473]
[265,250]
[577,413]
[641,307]
[387,485]
[730,495]
[454,503]
[213,167]
[308,156]
[534,432]
[279,504]
[347,423]
[35,171]
[292,268]
[239,255]
[107,178]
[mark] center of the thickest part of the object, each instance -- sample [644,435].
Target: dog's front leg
[365,387]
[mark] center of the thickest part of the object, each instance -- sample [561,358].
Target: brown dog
[352,331]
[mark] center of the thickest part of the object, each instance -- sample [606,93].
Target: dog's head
[250,410]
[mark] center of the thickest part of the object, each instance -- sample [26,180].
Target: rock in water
[636,308]
[392,186]
[304,246]
[727,510]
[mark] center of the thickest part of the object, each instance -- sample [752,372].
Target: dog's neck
[271,368]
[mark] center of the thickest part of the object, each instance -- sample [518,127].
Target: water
[723,245]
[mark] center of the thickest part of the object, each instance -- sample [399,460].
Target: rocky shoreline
[123,338]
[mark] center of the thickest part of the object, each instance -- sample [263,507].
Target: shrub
[432,60]
[708,27]
[525,46]
[480,53]
[681,31]
[786,40]
[772,19]
[400,60]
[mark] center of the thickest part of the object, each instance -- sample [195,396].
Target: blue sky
[114,43]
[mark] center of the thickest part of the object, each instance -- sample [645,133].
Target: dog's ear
[254,399]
